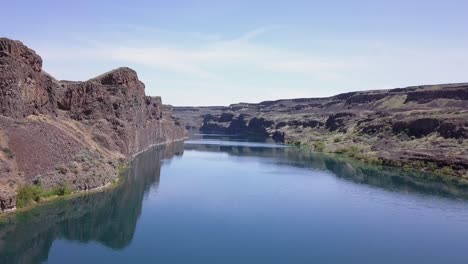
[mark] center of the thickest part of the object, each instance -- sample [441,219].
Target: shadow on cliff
[108,217]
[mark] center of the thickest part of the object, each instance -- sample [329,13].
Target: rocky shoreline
[67,134]
[421,127]
[103,211]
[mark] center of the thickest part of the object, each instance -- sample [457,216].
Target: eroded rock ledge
[423,127]
[55,133]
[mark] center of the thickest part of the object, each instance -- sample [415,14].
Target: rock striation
[55,133]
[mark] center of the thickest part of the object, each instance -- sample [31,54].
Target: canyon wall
[423,127]
[68,133]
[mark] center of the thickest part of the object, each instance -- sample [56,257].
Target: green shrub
[120,169]
[418,164]
[319,146]
[27,195]
[62,190]
[58,191]
[83,156]
[446,171]
[33,193]
[352,151]
[432,166]
[297,143]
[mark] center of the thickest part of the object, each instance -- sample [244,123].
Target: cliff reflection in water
[389,178]
[108,217]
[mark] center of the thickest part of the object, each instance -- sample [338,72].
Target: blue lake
[228,200]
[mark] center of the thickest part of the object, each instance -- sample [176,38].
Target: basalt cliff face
[75,134]
[423,127]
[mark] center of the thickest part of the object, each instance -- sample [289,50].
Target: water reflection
[110,218]
[388,178]
[107,217]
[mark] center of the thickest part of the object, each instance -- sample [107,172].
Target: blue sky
[222,52]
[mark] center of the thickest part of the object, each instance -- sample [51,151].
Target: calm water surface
[224,200]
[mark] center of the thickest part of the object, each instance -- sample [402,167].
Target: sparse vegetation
[297,143]
[31,193]
[62,169]
[319,146]
[120,169]
[445,171]
[27,195]
[73,167]
[8,152]
[352,151]
[83,156]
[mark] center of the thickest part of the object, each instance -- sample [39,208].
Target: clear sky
[222,52]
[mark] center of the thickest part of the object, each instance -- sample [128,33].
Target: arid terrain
[67,134]
[422,127]
[77,135]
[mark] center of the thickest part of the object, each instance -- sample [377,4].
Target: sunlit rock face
[71,132]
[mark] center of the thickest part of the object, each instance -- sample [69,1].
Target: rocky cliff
[424,127]
[66,133]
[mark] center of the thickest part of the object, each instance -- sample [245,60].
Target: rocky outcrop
[239,125]
[337,121]
[72,133]
[225,117]
[24,88]
[456,92]
[17,50]
[458,130]
[364,98]
[416,127]
[259,126]
[421,126]
[7,200]
[118,98]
